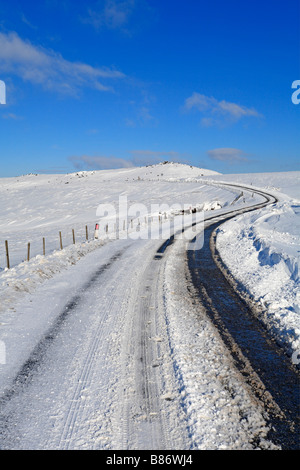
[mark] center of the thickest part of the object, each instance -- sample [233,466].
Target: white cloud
[11,116]
[144,114]
[117,13]
[27,22]
[114,14]
[99,162]
[218,112]
[229,155]
[234,110]
[48,68]
[137,158]
[92,131]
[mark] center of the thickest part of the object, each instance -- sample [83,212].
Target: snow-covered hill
[36,206]
[261,249]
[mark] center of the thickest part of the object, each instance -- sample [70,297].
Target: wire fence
[58,240]
[31,249]
[20,250]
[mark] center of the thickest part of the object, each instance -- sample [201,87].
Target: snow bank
[261,249]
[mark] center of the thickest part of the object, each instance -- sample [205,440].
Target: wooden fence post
[60,240]
[86,232]
[28,252]
[7,254]
[44,247]
[73,236]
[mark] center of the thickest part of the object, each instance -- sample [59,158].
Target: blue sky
[109,84]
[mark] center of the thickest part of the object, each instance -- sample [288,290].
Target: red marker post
[96,235]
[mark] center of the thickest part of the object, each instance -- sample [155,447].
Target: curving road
[106,374]
[269,373]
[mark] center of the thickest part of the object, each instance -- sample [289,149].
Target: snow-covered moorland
[261,249]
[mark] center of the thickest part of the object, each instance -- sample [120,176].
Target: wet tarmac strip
[263,364]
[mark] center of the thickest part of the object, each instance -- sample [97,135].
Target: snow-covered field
[34,207]
[260,248]
[37,206]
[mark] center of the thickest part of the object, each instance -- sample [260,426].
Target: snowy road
[101,377]
[273,380]
[128,362]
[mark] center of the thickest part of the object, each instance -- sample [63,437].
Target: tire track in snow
[89,388]
[151,411]
[45,360]
[36,357]
[75,413]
